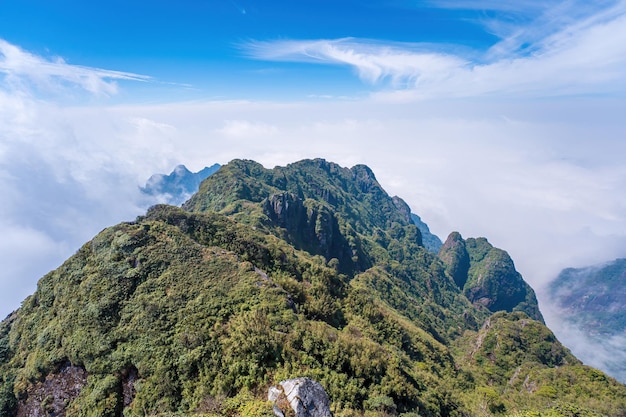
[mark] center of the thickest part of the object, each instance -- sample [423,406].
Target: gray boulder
[306,398]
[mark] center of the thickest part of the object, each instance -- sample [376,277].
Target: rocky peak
[314,228]
[454,255]
[487,276]
[365,178]
[192,311]
[353,196]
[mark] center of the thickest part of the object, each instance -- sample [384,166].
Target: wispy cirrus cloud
[528,32]
[568,48]
[374,61]
[24,71]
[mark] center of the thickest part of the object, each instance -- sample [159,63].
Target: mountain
[181,184]
[178,186]
[590,301]
[487,276]
[594,297]
[308,270]
[431,242]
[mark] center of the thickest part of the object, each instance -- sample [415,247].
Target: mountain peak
[315,204]
[354,192]
[488,276]
[181,170]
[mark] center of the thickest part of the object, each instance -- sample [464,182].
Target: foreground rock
[306,398]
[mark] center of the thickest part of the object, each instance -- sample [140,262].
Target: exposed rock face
[50,397]
[128,385]
[403,207]
[176,310]
[313,228]
[286,210]
[306,398]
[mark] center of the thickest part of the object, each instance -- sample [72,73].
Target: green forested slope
[307,270]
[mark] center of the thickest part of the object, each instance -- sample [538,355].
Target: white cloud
[23,71]
[602,351]
[520,6]
[541,179]
[521,25]
[26,255]
[402,63]
[244,128]
[585,55]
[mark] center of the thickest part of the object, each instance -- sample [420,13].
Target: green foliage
[493,282]
[559,410]
[197,313]
[510,340]
[380,403]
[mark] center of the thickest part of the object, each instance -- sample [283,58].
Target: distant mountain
[592,301]
[308,270]
[431,242]
[178,186]
[594,297]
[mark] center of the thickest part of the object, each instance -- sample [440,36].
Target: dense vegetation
[305,270]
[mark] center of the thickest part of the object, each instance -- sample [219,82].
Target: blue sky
[203,44]
[493,118]
[245,49]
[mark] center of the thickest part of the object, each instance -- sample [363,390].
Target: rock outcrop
[487,276]
[305,396]
[314,228]
[51,396]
